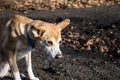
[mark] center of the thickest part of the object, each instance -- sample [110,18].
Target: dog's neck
[29,40]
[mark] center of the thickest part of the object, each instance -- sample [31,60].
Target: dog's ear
[37,30]
[63,24]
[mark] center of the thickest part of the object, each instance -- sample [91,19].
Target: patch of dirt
[91,45]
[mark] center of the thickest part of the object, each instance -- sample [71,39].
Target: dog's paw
[35,78]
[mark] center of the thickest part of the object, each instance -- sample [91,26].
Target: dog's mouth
[58,56]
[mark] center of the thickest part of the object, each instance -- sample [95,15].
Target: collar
[29,40]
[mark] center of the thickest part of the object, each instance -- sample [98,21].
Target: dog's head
[48,36]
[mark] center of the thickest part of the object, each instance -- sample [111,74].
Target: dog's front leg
[29,67]
[14,67]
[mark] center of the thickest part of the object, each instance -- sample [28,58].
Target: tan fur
[16,36]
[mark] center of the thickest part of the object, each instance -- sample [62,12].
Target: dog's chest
[23,51]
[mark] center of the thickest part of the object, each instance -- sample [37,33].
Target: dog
[20,36]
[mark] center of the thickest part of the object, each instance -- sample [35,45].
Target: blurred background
[52,4]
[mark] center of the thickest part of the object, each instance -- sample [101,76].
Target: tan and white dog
[19,37]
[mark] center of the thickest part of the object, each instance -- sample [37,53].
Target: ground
[91,45]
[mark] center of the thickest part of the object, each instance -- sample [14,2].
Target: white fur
[4,69]
[54,49]
[25,51]
[17,76]
[22,29]
[29,67]
[51,50]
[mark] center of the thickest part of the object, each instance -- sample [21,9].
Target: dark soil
[91,45]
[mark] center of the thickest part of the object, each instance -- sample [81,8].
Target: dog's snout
[58,56]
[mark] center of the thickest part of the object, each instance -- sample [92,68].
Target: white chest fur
[22,51]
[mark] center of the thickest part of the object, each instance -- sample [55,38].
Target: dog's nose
[58,56]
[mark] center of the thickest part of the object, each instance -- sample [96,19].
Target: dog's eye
[49,43]
[60,42]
